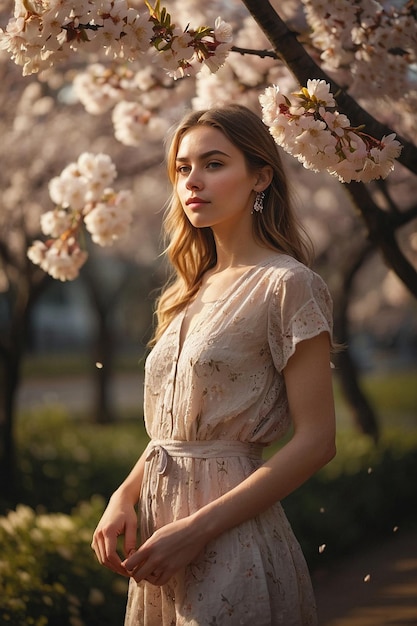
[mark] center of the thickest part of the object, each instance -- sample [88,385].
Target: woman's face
[213,182]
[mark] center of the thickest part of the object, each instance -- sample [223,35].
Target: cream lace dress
[209,411]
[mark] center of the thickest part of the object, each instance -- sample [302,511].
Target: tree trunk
[362,411]
[12,347]
[9,380]
[104,368]
[104,293]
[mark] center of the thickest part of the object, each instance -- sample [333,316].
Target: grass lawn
[393,396]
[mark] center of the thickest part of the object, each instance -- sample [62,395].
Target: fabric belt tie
[215,448]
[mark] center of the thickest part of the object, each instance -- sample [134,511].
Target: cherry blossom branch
[39,34]
[83,199]
[35,36]
[300,63]
[309,127]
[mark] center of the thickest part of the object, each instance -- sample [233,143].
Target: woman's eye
[184,170]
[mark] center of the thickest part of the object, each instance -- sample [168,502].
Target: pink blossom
[81,189]
[109,220]
[320,90]
[55,223]
[322,139]
[60,259]
[216,59]
[223,31]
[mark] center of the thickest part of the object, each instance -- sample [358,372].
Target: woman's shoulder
[290,280]
[283,267]
[285,262]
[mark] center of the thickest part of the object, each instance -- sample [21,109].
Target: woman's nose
[194,181]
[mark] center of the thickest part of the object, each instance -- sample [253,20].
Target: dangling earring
[258,205]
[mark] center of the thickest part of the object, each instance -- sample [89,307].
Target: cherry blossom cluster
[311,129]
[42,32]
[137,96]
[146,101]
[243,76]
[372,46]
[82,197]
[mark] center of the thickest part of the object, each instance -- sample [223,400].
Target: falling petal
[394,530]
[99,365]
[322,548]
[367,578]
[370,470]
[322,509]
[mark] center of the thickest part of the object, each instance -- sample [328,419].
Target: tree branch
[259,53]
[404,217]
[381,232]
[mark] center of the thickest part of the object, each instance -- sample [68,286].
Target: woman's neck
[238,253]
[237,247]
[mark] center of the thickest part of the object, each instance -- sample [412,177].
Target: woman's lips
[196,202]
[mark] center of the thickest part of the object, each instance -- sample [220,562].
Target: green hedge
[63,461]
[363,495]
[48,573]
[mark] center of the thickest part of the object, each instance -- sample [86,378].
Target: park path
[388,598]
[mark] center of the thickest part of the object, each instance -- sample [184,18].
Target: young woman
[242,351]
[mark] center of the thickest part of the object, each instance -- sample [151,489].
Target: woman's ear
[264,178]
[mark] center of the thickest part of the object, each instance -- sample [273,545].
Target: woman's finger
[154,578]
[105,547]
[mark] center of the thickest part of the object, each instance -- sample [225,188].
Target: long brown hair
[191,250]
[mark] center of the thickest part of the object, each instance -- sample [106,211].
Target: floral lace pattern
[226,384]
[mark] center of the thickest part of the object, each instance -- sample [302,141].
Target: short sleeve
[300,308]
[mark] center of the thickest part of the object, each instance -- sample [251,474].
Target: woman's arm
[119,518]
[309,389]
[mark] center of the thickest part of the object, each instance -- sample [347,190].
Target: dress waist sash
[214,448]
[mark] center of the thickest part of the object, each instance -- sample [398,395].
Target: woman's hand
[119,518]
[169,549]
